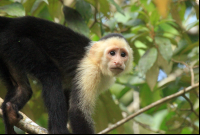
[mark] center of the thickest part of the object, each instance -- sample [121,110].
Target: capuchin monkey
[72,69]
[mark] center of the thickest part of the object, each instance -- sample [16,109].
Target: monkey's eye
[123,54]
[112,53]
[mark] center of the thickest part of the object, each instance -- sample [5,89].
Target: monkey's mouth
[117,69]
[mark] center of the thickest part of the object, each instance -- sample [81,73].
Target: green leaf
[37,7]
[116,90]
[191,25]
[164,64]
[119,9]
[122,18]
[104,7]
[147,5]
[159,116]
[5,2]
[108,112]
[75,21]
[196,7]
[96,29]
[46,1]
[84,9]
[145,119]
[164,47]
[154,18]
[14,9]
[169,28]
[152,76]
[186,130]
[147,96]
[54,9]
[166,119]
[112,24]
[127,97]
[93,2]
[144,16]
[190,47]
[143,34]
[147,60]
[28,5]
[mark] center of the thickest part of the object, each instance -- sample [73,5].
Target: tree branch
[26,124]
[119,123]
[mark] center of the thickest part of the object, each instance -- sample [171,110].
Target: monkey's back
[41,38]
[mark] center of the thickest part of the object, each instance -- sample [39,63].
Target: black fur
[112,35]
[50,52]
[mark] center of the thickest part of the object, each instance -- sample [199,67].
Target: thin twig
[161,101]
[95,15]
[190,68]
[191,105]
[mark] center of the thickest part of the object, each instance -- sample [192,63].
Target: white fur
[93,76]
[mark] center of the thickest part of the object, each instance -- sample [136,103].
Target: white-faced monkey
[72,69]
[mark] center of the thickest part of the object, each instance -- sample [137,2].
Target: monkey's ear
[96,52]
[94,48]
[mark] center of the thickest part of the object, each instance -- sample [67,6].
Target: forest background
[161,94]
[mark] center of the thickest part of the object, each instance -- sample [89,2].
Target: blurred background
[164,35]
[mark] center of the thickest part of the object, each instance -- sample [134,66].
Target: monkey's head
[113,55]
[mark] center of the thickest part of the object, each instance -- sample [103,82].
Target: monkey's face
[114,56]
[116,59]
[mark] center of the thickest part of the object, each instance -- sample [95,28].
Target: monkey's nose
[118,63]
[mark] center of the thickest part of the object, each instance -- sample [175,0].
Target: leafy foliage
[164,36]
